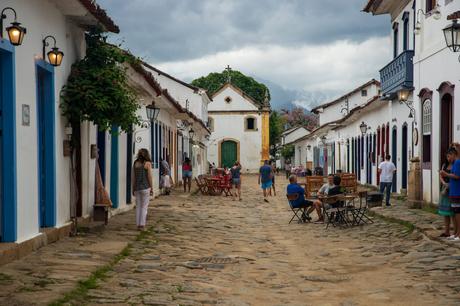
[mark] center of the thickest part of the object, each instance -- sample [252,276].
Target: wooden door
[229,153]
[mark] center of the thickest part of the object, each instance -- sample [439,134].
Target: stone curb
[418,228]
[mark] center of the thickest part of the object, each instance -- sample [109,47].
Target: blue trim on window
[9,172]
[46,108]
[114,171]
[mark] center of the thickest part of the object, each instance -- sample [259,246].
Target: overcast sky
[326,46]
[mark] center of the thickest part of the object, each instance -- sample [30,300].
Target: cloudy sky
[307,51]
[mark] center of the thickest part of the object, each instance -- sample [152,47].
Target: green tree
[214,81]
[287,152]
[97,89]
[276,128]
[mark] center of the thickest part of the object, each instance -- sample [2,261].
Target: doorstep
[13,251]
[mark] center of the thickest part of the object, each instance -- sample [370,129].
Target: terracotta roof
[370,5]
[373,81]
[341,120]
[150,79]
[195,88]
[453,16]
[101,15]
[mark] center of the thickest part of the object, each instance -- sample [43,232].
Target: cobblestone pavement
[215,251]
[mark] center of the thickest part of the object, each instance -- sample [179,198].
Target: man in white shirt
[386,170]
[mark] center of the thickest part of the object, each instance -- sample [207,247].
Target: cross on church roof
[229,77]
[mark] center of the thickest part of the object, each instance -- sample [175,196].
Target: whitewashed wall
[41,18]
[334,112]
[434,64]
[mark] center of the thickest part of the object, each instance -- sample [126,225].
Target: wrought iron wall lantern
[152,113]
[323,140]
[308,147]
[363,128]
[403,98]
[191,133]
[452,36]
[15,31]
[55,56]
[435,12]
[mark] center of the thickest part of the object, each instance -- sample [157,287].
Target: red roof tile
[101,15]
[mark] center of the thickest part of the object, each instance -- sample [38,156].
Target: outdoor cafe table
[349,204]
[212,183]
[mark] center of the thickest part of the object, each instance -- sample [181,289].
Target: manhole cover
[217,260]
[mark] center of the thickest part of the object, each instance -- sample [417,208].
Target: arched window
[250,124]
[426,130]
[211,124]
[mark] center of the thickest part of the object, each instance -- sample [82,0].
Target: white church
[239,129]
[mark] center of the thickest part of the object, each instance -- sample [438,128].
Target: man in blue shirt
[301,202]
[265,178]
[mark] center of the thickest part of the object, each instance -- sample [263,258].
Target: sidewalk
[54,270]
[423,220]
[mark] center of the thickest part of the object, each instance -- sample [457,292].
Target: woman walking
[273,179]
[187,174]
[236,180]
[142,186]
[444,208]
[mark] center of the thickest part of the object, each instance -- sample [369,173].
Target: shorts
[304,204]
[456,209]
[236,182]
[266,185]
[187,173]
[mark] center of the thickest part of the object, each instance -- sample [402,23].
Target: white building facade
[37,189]
[239,127]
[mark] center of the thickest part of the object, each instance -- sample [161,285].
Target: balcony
[398,74]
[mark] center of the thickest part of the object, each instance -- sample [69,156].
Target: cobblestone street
[215,251]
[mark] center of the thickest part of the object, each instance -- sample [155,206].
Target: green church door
[229,153]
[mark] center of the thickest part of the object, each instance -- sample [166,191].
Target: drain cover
[217,260]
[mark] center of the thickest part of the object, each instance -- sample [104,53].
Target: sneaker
[451,237]
[388,205]
[456,239]
[265,200]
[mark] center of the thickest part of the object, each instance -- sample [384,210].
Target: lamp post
[55,56]
[15,32]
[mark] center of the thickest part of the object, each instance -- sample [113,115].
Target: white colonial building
[44,188]
[37,187]
[424,75]
[240,129]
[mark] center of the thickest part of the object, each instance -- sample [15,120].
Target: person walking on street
[273,180]
[236,180]
[386,170]
[454,192]
[165,172]
[265,178]
[142,186]
[187,174]
[287,169]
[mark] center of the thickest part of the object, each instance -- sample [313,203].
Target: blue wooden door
[101,153]
[46,145]
[394,157]
[8,182]
[129,164]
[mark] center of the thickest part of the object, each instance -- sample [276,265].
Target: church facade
[239,129]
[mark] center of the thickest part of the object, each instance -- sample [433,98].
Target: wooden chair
[334,213]
[201,184]
[313,185]
[349,183]
[299,212]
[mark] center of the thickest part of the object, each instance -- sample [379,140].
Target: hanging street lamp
[15,32]
[452,36]
[152,112]
[363,128]
[191,133]
[55,56]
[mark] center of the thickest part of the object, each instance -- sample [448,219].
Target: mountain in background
[282,98]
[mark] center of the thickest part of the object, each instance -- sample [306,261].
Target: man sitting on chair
[336,189]
[323,191]
[301,202]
